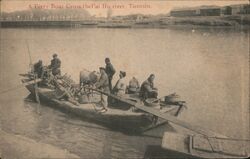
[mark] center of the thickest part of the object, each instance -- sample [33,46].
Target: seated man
[147,88]
[120,86]
[133,86]
[38,68]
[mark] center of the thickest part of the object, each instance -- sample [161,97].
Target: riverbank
[196,21]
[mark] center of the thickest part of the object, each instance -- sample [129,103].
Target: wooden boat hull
[125,120]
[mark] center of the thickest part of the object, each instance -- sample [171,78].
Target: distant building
[238,9]
[226,10]
[210,11]
[197,11]
[183,12]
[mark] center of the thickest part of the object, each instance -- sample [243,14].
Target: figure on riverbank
[147,88]
[103,85]
[110,71]
[55,65]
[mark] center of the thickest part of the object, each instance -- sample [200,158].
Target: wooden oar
[36,93]
[37,96]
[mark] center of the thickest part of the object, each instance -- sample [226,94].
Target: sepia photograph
[129,79]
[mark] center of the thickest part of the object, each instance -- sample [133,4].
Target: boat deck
[50,94]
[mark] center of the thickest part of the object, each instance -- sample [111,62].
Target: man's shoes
[103,110]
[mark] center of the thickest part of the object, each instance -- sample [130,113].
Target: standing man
[110,71]
[103,84]
[38,68]
[147,88]
[55,65]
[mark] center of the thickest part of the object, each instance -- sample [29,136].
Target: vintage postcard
[124,79]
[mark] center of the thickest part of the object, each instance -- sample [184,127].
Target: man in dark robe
[38,68]
[55,65]
[110,72]
[147,88]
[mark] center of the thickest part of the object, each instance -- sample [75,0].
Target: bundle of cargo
[88,78]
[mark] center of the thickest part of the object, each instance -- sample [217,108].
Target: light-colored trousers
[104,101]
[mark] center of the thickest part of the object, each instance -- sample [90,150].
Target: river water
[208,68]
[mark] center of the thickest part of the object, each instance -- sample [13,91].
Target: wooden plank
[230,147]
[201,143]
[227,148]
[190,144]
[170,118]
[175,142]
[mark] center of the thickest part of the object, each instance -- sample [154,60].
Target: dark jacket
[38,69]
[146,88]
[55,63]
[103,83]
[110,70]
[55,66]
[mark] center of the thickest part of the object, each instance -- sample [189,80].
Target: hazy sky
[99,7]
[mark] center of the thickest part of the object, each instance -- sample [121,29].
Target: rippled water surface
[208,68]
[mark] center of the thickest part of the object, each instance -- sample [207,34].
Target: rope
[230,139]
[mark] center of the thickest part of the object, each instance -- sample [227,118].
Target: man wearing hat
[103,84]
[55,65]
[110,71]
[147,88]
[120,85]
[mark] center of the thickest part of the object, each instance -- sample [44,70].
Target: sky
[125,7]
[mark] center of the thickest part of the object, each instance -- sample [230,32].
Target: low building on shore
[210,11]
[183,12]
[238,9]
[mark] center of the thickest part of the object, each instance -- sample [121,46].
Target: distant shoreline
[205,21]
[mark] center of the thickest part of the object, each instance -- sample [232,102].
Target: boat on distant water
[120,115]
[114,24]
[205,147]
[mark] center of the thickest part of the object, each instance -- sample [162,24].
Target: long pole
[35,86]
[27,44]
